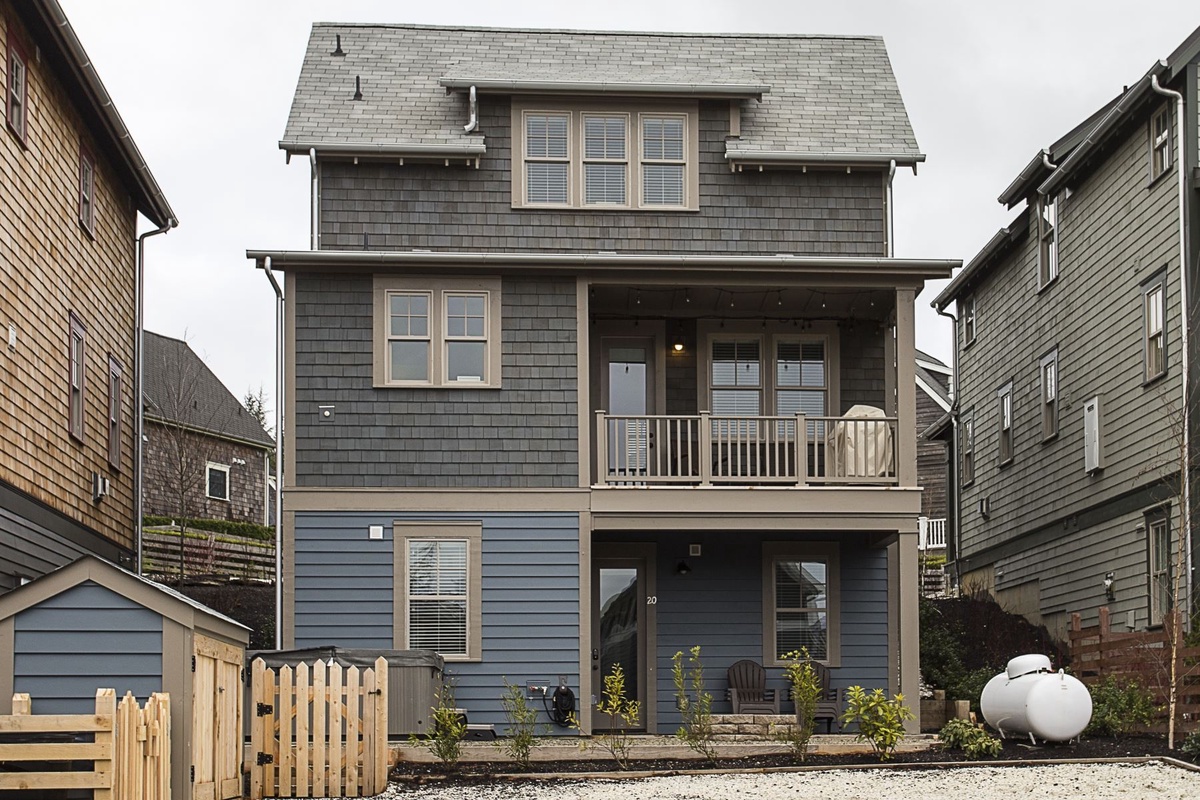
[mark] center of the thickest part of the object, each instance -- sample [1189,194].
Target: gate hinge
[192,774]
[265,758]
[193,663]
[263,709]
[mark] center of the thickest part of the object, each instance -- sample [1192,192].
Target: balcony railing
[932,533]
[706,449]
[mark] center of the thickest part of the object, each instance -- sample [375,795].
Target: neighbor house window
[968,319]
[17,91]
[115,383]
[1161,590]
[1048,231]
[1160,142]
[87,191]
[1049,370]
[1154,344]
[967,435]
[1006,423]
[77,346]
[800,601]
[216,481]
[437,603]
[437,332]
[601,155]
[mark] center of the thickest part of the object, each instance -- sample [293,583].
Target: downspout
[1185,306]
[473,122]
[313,221]
[1046,161]
[891,217]
[265,265]
[957,510]
[139,381]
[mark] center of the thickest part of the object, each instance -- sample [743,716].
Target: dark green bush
[1191,746]
[1120,707]
[247,530]
[973,740]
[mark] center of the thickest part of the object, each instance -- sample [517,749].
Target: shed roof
[154,596]
[821,95]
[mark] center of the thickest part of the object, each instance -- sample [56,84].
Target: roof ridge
[588,32]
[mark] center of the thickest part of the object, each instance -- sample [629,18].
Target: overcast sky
[205,88]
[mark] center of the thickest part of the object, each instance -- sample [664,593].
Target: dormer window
[601,156]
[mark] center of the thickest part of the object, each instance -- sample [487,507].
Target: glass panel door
[619,635]
[628,375]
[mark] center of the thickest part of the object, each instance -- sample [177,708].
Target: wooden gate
[319,731]
[217,720]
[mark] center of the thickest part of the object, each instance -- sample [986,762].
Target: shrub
[880,720]
[449,728]
[1191,746]
[697,730]
[522,725]
[971,739]
[247,530]
[622,714]
[1120,707]
[806,691]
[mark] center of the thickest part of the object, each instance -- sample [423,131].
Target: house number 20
[651,600]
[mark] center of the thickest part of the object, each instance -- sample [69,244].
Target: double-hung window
[216,481]
[1154,345]
[801,381]
[77,368]
[736,382]
[1005,396]
[17,91]
[968,319]
[1048,208]
[1161,594]
[437,332]
[967,435]
[115,383]
[87,192]
[605,156]
[800,601]
[1049,372]
[437,604]
[1160,142]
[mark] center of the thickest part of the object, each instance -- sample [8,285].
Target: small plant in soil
[1191,746]
[806,691]
[449,729]
[880,720]
[972,739]
[523,727]
[622,714]
[1120,708]
[694,704]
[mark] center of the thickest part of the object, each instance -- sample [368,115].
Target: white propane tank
[1028,699]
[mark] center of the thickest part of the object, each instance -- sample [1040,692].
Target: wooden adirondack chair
[828,707]
[748,690]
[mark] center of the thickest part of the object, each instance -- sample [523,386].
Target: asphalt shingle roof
[179,387]
[827,94]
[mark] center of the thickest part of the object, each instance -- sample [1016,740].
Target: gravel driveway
[1061,782]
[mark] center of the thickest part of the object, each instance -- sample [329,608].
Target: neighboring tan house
[600,354]
[1073,358]
[206,456]
[73,186]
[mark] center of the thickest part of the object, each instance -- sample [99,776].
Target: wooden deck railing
[706,449]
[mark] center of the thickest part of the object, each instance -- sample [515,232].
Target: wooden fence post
[106,707]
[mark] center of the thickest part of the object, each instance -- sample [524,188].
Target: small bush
[246,530]
[880,720]
[806,691]
[449,729]
[694,703]
[1191,746]
[622,714]
[973,740]
[1120,707]
[522,725]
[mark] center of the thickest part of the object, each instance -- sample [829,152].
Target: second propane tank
[1028,699]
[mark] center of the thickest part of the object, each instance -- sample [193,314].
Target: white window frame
[967,439]
[1049,224]
[1154,327]
[76,376]
[16,92]
[438,289]
[1161,151]
[585,161]
[827,552]
[116,382]
[1159,572]
[634,111]
[1005,423]
[1050,383]
[644,161]
[969,319]
[527,159]
[470,531]
[87,192]
[209,468]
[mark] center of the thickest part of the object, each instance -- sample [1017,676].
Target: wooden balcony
[709,450]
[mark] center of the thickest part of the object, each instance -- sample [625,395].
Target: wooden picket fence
[130,749]
[1098,652]
[319,731]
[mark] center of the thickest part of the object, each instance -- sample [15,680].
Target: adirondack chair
[748,690]
[828,707]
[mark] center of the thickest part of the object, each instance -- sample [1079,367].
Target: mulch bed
[1089,748]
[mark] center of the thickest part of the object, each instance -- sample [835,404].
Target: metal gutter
[228,437]
[518,86]
[996,246]
[153,203]
[1017,190]
[840,159]
[385,149]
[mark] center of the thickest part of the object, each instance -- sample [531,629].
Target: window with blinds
[801,383]
[736,378]
[663,161]
[437,595]
[547,159]
[1154,350]
[801,608]
[605,165]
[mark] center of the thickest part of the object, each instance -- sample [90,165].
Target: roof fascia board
[470,149]
[996,247]
[747,266]
[934,394]
[161,420]
[552,87]
[767,157]
[933,366]
[1185,54]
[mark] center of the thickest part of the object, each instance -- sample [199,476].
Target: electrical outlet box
[533,690]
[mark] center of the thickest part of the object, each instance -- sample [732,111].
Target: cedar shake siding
[931,460]
[247,482]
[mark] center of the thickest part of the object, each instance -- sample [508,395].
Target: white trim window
[968,319]
[802,380]
[1006,423]
[1049,373]
[76,376]
[466,336]
[967,434]
[87,192]
[1048,225]
[735,377]
[547,158]
[116,381]
[216,481]
[1159,528]
[1160,141]
[408,337]
[436,591]
[605,159]
[1154,309]
[800,601]
[664,160]
[17,90]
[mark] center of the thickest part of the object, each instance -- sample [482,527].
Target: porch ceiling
[780,303]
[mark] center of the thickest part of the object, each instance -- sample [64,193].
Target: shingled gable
[210,407]
[804,99]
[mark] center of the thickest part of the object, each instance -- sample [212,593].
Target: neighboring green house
[1076,345]
[600,353]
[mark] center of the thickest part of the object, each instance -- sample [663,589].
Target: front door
[627,385]
[623,602]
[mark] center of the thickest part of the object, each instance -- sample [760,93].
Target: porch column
[907,594]
[906,388]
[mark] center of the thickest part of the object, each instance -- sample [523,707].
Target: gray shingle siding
[522,435]
[862,376]
[460,208]
[83,639]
